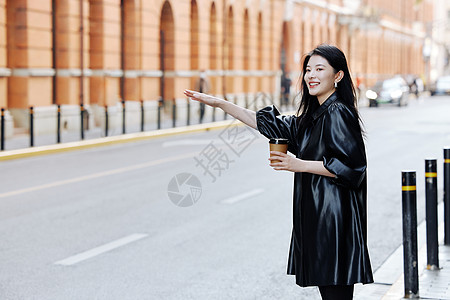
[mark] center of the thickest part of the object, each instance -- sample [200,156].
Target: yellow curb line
[107,141]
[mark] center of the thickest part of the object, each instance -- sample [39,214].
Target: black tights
[336,292]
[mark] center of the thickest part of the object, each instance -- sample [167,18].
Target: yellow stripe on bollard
[447,160]
[407,188]
[430,174]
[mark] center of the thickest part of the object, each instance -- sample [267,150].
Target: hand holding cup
[278,144]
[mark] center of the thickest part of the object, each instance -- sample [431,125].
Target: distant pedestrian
[202,86]
[286,88]
[358,86]
[329,238]
[419,86]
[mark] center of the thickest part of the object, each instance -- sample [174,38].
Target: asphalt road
[195,216]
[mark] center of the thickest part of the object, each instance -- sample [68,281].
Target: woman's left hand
[286,162]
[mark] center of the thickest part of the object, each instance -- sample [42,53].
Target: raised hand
[204,98]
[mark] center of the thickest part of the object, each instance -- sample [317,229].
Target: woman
[329,240]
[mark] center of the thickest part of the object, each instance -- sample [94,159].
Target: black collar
[333,97]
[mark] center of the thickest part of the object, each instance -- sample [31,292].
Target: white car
[441,87]
[393,90]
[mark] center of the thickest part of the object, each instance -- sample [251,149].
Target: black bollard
[82,121]
[31,126]
[123,117]
[431,214]
[225,115]
[106,120]
[58,124]
[409,216]
[188,119]
[447,196]
[158,119]
[2,134]
[174,113]
[142,115]
[213,114]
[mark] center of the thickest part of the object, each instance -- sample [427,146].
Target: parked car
[441,86]
[393,90]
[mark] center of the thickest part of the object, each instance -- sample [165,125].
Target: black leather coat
[329,237]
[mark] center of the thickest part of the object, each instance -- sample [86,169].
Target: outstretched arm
[244,115]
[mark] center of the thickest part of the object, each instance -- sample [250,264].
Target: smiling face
[320,78]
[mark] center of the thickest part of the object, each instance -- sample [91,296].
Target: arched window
[246,50]
[194,36]
[260,50]
[129,50]
[213,38]
[230,39]
[167,50]
[213,48]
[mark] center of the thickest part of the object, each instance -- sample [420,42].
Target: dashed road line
[243,196]
[72,260]
[97,175]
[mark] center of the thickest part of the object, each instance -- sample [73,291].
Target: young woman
[329,237]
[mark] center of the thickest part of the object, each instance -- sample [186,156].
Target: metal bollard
[142,115]
[58,124]
[188,119]
[31,126]
[409,216]
[174,113]
[214,114]
[82,121]
[123,117]
[158,119]
[2,133]
[431,214]
[225,115]
[106,120]
[447,196]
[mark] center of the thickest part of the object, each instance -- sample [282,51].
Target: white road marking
[191,142]
[97,175]
[243,196]
[101,249]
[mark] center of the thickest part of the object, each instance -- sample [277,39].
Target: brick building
[100,52]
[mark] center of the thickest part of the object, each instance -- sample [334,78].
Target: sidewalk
[433,284]
[21,138]
[436,284]
[389,284]
[18,145]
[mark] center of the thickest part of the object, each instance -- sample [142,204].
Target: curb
[107,141]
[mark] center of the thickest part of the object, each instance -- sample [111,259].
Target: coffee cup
[278,144]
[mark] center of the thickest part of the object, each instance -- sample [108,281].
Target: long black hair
[345,90]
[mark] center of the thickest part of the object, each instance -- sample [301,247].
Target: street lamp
[426,53]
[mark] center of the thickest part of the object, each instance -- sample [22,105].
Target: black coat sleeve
[273,125]
[345,154]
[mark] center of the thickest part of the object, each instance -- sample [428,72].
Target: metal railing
[166,112]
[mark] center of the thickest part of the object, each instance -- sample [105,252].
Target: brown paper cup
[280,145]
